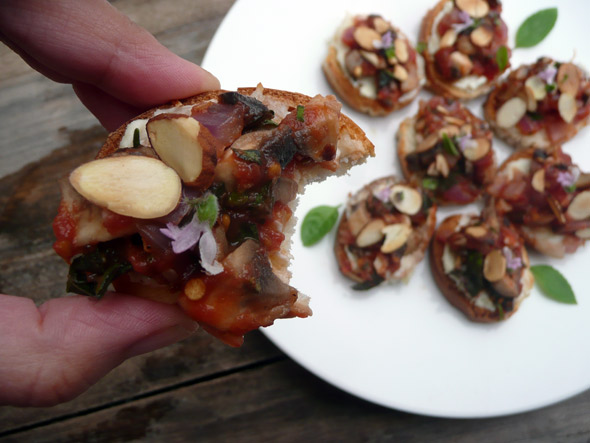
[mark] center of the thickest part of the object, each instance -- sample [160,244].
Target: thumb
[55,352]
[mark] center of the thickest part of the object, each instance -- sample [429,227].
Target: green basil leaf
[502,57]
[390,52]
[136,141]
[535,28]
[249,155]
[449,145]
[430,183]
[300,110]
[421,47]
[553,284]
[317,223]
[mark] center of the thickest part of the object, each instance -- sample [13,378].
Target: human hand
[52,353]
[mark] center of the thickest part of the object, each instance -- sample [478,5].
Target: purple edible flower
[208,251]
[512,262]
[387,40]
[548,74]
[466,22]
[466,142]
[383,193]
[568,178]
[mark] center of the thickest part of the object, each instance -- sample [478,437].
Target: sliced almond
[195,289]
[410,83]
[475,8]
[427,143]
[537,87]
[568,79]
[583,180]
[448,39]
[567,107]
[182,144]
[366,37]
[465,46]
[538,181]
[406,199]
[396,236]
[494,266]
[461,62]
[579,208]
[442,110]
[466,129]
[454,120]
[583,233]
[479,148]
[476,231]
[358,219]
[371,233]
[481,36]
[531,101]
[374,59]
[511,112]
[441,165]
[380,25]
[400,73]
[135,186]
[401,50]
[432,170]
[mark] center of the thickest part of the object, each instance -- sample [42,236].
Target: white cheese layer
[434,40]
[482,300]
[471,82]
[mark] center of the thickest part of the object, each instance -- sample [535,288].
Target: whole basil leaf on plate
[317,223]
[535,28]
[553,284]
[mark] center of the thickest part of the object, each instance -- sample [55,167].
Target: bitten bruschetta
[448,150]
[481,266]
[384,232]
[372,66]
[540,105]
[462,39]
[192,203]
[546,197]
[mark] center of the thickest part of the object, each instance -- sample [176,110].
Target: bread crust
[343,85]
[456,296]
[435,82]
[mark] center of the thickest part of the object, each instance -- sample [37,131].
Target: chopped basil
[535,116]
[570,188]
[300,110]
[449,145]
[317,223]
[500,311]
[421,47]
[553,284]
[502,57]
[564,79]
[269,123]
[248,230]
[249,155]
[430,183]
[390,52]
[136,142]
[550,87]
[535,28]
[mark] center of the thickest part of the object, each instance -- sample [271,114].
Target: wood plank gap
[163,390]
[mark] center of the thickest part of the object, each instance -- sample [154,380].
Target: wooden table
[198,389]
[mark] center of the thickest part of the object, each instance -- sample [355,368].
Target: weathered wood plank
[282,402]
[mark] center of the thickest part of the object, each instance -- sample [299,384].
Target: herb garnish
[249,155]
[300,110]
[421,47]
[136,142]
[502,57]
[390,52]
[206,207]
[449,145]
[430,183]
[535,28]
[317,223]
[553,284]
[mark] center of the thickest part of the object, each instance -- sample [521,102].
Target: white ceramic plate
[403,345]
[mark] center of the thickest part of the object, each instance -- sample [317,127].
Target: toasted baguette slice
[360,91]
[552,217]
[526,109]
[466,85]
[384,232]
[260,147]
[455,176]
[496,300]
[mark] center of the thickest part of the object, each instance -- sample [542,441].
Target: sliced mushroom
[461,62]
[494,266]
[567,107]
[358,219]
[448,39]
[538,181]
[475,8]
[579,208]
[406,199]
[568,79]
[481,36]
[371,233]
[366,37]
[511,112]
[139,187]
[401,50]
[479,149]
[442,165]
[395,237]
